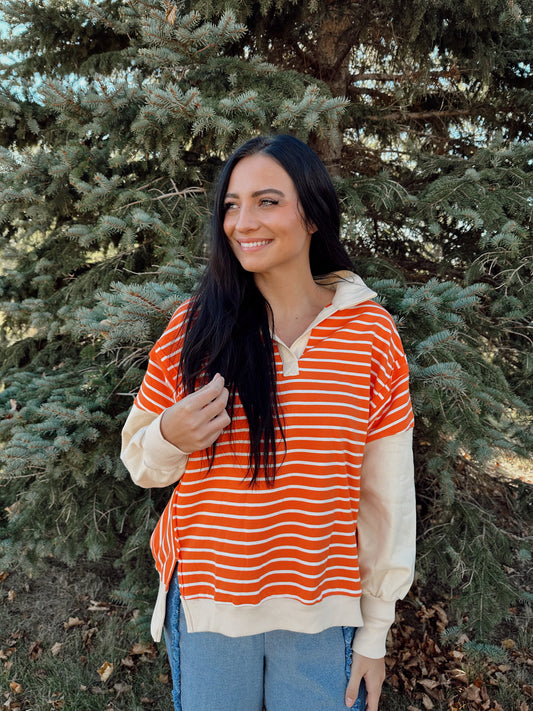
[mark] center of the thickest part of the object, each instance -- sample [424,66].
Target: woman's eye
[229,206]
[269,201]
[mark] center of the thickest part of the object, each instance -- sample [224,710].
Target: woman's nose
[246,219]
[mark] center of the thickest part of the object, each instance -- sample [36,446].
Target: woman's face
[262,220]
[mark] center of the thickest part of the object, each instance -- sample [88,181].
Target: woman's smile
[248,246]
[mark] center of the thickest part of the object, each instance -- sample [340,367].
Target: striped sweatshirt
[332,542]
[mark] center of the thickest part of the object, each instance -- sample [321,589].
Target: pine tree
[116,117]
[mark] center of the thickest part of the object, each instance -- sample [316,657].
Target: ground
[66,643]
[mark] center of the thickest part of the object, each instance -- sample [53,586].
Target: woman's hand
[196,421]
[373,672]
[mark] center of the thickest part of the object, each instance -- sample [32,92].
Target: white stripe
[153,402]
[315,527]
[270,515]
[311,576]
[397,422]
[288,461]
[322,564]
[251,544]
[243,468]
[326,383]
[247,505]
[258,492]
[148,386]
[327,371]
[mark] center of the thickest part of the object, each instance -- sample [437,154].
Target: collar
[350,289]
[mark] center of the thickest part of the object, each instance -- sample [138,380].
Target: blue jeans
[280,670]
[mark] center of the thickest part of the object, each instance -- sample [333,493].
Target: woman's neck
[295,304]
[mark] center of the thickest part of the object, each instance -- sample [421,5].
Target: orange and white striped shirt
[253,559]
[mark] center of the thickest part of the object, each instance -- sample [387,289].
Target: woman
[277,400]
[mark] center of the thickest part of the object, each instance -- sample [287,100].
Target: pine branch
[165,196]
[421,115]
[454,73]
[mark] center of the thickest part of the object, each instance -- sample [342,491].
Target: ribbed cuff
[378,615]
[159,453]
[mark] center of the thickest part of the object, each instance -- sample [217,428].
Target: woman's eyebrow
[263,191]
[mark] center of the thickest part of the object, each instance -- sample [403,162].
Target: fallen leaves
[121,688]
[87,636]
[96,606]
[427,703]
[73,622]
[108,679]
[432,674]
[6,653]
[139,652]
[105,671]
[35,651]
[146,650]
[56,701]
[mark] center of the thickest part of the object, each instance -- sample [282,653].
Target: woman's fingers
[373,672]
[196,421]
[207,393]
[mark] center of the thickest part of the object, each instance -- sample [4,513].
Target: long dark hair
[229,321]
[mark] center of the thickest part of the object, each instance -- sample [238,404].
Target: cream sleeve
[151,460]
[386,531]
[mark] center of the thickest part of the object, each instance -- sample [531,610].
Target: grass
[65,642]
[59,638]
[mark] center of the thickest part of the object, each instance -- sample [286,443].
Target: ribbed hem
[158,615]
[277,613]
[284,613]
